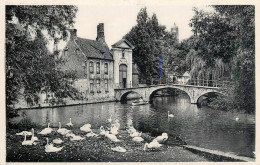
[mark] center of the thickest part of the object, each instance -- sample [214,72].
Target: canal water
[202,127]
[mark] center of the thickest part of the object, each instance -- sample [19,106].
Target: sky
[119,19]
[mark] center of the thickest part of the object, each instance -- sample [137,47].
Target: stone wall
[118,60]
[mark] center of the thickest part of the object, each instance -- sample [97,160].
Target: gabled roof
[123,43]
[94,49]
[186,74]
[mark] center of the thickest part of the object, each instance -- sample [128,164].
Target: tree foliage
[153,45]
[226,49]
[30,67]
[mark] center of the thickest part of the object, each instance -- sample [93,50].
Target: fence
[194,82]
[204,82]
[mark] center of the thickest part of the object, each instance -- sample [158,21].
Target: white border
[121,2]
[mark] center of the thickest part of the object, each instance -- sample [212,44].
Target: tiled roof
[94,49]
[117,44]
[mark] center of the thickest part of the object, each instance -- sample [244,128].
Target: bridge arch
[153,91]
[207,92]
[125,94]
[194,92]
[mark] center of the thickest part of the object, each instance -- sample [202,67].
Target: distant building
[171,77]
[175,31]
[183,79]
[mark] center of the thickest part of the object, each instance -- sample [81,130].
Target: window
[77,51]
[84,67]
[91,82]
[106,85]
[106,68]
[98,85]
[91,67]
[98,68]
[65,51]
[123,54]
[123,75]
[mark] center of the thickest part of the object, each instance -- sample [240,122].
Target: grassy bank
[91,149]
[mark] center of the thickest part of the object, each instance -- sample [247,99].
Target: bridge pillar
[146,94]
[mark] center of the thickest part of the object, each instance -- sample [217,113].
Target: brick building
[93,63]
[98,70]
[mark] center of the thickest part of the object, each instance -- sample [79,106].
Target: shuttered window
[91,67]
[91,83]
[106,68]
[98,68]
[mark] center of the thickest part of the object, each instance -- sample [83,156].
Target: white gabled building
[122,55]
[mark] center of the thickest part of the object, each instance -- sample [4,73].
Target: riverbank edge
[217,155]
[73,104]
[41,106]
[67,105]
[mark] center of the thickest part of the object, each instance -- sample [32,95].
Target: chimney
[100,33]
[73,34]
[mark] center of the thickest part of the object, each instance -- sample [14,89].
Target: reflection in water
[203,127]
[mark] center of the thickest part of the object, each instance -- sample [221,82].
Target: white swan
[131,130]
[135,134]
[86,128]
[87,125]
[70,135]
[138,139]
[24,133]
[117,124]
[62,131]
[91,134]
[27,142]
[69,124]
[162,138]
[111,137]
[114,130]
[170,115]
[46,131]
[34,138]
[237,119]
[76,138]
[102,131]
[118,149]
[152,145]
[57,141]
[51,148]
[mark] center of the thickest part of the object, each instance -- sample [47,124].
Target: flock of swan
[110,133]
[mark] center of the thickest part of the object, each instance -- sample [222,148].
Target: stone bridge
[194,92]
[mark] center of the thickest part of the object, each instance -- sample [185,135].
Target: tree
[226,45]
[30,67]
[152,45]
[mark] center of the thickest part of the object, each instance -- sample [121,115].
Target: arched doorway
[122,75]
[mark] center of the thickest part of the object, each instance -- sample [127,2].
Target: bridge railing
[194,82]
[203,82]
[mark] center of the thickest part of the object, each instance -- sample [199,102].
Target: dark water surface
[202,127]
